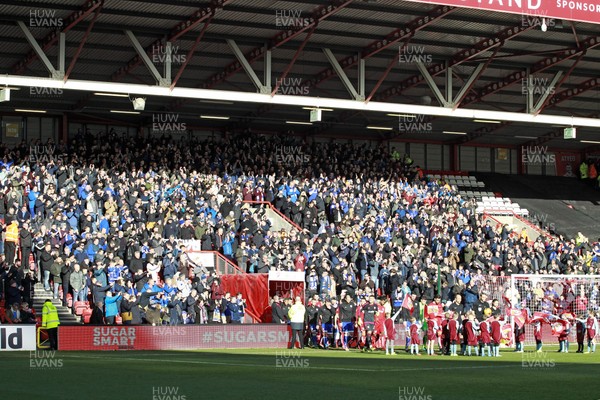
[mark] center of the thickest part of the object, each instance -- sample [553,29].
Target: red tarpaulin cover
[254,288]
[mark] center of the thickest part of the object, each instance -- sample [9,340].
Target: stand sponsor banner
[574,10]
[17,338]
[184,337]
[567,164]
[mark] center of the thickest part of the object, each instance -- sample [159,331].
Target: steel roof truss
[247,67]
[162,81]
[54,73]
[344,78]
[542,100]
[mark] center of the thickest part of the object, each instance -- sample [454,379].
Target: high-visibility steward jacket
[49,316]
[296,313]
[583,170]
[12,233]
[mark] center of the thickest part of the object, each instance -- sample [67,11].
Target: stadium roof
[490,55]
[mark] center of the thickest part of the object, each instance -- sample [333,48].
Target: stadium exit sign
[570,133]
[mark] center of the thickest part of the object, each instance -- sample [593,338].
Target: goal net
[558,296]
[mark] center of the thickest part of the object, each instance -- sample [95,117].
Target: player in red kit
[432,334]
[415,339]
[496,336]
[471,332]
[453,330]
[563,337]
[389,333]
[379,321]
[519,338]
[435,310]
[592,328]
[360,324]
[484,336]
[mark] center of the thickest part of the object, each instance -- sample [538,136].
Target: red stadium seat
[87,314]
[80,307]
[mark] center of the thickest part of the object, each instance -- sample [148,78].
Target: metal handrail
[272,207]
[227,261]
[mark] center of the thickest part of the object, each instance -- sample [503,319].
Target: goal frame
[515,277]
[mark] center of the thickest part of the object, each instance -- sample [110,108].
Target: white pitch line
[310,367]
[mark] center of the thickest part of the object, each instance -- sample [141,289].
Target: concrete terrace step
[64,313]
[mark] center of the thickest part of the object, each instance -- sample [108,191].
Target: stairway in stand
[64,313]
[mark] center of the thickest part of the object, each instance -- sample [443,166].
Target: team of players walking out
[370,324]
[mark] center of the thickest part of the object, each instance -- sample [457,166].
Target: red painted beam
[194,20]
[81,44]
[385,74]
[404,33]
[198,17]
[319,14]
[487,63]
[390,39]
[459,58]
[68,23]
[569,93]
[560,83]
[557,98]
[293,61]
[191,52]
[539,66]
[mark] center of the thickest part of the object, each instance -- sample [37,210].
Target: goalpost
[553,294]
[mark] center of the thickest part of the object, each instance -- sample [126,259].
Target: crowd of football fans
[102,218]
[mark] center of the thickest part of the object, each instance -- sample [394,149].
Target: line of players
[586,330]
[448,332]
[345,324]
[369,324]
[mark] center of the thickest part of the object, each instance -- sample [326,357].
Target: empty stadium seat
[87,313]
[80,307]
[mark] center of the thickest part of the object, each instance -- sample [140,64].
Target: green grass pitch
[297,374]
